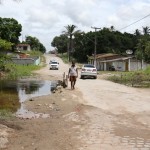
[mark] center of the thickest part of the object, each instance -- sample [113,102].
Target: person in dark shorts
[72,75]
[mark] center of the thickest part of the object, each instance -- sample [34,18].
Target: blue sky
[46,19]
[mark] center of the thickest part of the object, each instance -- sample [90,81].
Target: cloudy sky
[46,19]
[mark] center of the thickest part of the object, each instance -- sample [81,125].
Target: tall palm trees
[143,46]
[70,32]
[137,32]
[146,30]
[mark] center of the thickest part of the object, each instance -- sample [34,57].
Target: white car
[88,70]
[54,65]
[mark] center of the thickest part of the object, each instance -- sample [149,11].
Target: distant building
[23,47]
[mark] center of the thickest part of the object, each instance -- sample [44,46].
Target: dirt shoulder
[55,131]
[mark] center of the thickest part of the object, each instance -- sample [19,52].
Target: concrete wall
[27,61]
[23,61]
[133,65]
[119,65]
[122,65]
[37,60]
[138,65]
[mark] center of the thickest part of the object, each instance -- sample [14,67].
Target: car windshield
[54,63]
[89,66]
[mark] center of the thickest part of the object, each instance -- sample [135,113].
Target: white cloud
[46,19]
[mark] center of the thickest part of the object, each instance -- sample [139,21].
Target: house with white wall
[23,47]
[120,63]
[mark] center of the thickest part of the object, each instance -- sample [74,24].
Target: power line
[135,22]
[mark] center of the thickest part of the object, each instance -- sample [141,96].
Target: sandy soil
[97,115]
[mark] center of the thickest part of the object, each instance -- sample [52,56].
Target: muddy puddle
[13,94]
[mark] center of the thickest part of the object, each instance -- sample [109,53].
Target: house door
[126,66]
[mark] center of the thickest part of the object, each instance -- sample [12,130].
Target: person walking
[73,74]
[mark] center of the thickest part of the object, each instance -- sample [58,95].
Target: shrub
[135,79]
[16,71]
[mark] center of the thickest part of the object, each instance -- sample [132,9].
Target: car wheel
[95,77]
[82,77]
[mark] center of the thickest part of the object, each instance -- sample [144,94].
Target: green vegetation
[3,59]
[134,79]
[147,70]
[5,114]
[5,45]
[35,44]
[33,53]
[64,57]
[13,71]
[16,71]
[36,53]
[10,30]
[109,40]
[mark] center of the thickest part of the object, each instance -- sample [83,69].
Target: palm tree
[70,32]
[112,28]
[137,32]
[146,30]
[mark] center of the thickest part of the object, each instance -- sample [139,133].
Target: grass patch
[13,71]
[5,114]
[16,71]
[147,70]
[134,79]
[33,53]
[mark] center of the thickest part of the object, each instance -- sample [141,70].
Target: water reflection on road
[29,89]
[24,89]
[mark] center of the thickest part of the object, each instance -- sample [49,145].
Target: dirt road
[97,115]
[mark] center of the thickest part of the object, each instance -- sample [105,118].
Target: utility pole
[69,48]
[95,49]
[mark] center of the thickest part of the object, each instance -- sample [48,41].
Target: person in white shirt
[73,74]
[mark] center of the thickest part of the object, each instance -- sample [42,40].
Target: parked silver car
[88,70]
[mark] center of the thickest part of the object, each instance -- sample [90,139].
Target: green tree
[60,42]
[143,45]
[70,32]
[137,32]
[35,44]
[4,45]
[146,30]
[108,41]
[112,28]
[142,49]
[42,48]
[10,30]
[147,52]
[84,46]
